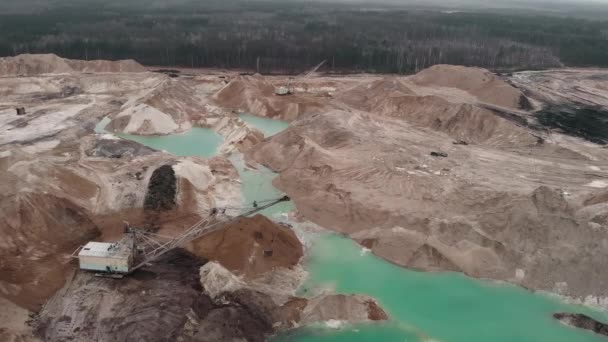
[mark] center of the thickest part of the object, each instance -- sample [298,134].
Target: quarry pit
[517,195]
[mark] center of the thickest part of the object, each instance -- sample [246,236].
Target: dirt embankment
[38,230]
[33,64]
[480,83]
[170,107]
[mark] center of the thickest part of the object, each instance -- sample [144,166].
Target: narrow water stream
[423,306]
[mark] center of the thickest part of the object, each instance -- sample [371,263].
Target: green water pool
[203,142]
[438,307]
[267,126]
[431,306]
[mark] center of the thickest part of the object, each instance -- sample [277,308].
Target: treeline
[291,37]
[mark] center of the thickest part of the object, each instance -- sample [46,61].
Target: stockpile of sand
[38,64]
[251,246]
[168,108]
[256,95]
[391,97]
[368,96]
[204,184]
[128,65]
[460,121]
[30,65]
[36,229]
[478,82]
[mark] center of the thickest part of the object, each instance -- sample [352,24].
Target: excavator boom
[199,229]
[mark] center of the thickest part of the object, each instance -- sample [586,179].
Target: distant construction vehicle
[139,247]
[286,90]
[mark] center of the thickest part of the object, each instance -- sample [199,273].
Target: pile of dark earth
[161,189]
[118,148]
[583,121]
[582,321]
[164,302]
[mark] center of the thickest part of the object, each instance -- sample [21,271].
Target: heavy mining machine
[140,247]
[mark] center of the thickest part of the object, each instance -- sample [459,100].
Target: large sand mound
[128,65]
[369,95]
[255,95]
[30,65]
[478,82]
[251,246]
[36,229]
[38,64]
[391,97]
[168,108]
[461,121]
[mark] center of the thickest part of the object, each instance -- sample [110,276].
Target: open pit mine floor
[450,205]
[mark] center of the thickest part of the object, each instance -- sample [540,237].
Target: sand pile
[38,64]
[368,96]
[30,65]
[391,97]
[237,134]
[339,307]
[251,246]
[123,66]
[203,184]
[38,230]
[256,95]
[460,121]
[169,108]
[478,82]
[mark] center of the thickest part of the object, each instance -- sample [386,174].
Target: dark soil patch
[164,302]
[161,189]
[524,103]
[110,148]
[583,322]
[587,122]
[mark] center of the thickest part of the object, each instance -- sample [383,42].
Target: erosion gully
[422,306]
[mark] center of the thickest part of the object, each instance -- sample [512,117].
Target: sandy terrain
[512,204]
[444,170]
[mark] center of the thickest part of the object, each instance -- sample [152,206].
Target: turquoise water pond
[431,306]
[437,307]
[267,126]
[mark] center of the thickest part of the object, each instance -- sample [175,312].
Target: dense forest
[291,36]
